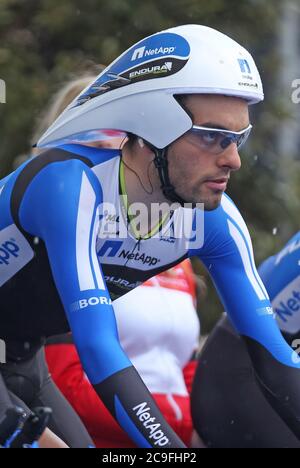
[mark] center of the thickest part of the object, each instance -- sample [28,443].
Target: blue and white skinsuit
[57,272]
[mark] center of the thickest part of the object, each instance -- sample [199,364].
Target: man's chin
[212,205]
[211,202]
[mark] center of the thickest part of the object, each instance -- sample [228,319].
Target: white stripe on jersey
[241,245]
[95,261]
[84,228]
[234,214]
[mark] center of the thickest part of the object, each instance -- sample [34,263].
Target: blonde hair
[59,102]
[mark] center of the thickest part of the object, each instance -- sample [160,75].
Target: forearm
[131,404]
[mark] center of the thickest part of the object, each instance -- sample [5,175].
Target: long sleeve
[61,206]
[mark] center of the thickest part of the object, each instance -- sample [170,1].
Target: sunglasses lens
[226,142]
[243,138]
[215,141]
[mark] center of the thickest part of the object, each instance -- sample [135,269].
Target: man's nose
[230,158]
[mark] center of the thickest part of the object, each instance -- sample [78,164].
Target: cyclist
[228,406]
[161,359]
[182,95]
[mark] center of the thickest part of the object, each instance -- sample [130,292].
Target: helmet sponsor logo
[244,66]
[143,52]
[246,74]
[157,56]
[249,85]
[158,69]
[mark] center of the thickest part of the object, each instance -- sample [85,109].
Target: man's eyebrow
[217,126]
[213,125]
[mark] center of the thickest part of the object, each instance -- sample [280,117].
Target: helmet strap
[161,164]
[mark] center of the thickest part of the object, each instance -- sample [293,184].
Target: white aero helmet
[135,93]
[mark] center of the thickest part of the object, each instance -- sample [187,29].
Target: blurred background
[45,43]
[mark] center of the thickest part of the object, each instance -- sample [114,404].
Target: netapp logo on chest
[112,249]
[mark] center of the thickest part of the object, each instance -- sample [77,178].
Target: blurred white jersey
[159,328]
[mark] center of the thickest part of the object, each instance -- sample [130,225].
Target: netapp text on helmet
[142,52]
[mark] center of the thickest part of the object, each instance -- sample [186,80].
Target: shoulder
[55,170]
[224,228]
[226,218]
[56,157]
[285,264]
[52,189]
[290,251]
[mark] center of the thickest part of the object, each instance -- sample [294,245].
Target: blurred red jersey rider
[159,330]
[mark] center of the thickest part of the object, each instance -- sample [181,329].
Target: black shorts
[28,384]
[228,407]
